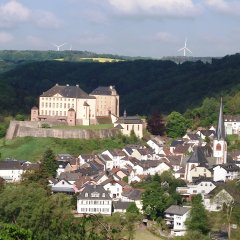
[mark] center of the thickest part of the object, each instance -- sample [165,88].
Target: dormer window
[86,194]
[103,195]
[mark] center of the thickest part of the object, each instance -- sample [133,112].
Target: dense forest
[145,86]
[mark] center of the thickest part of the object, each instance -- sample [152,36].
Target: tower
[219,142]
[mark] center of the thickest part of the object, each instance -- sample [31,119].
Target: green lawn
[30,148]
[144,234]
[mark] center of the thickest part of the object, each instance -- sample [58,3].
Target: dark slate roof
[69,176]
[128,150]
[121,205]
[89,189]
[88,171]
[64,157]
[176,142]
[66,91]
[119,127]
[133,194]
[220,131]
[103,90]
[177,210]
[129,120]
[230,167]
[11,165]
[197,157]
[231,118]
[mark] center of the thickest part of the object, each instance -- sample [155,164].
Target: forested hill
[144,85]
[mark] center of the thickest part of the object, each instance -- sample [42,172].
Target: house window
[86,194]
[127,127]
[218,147]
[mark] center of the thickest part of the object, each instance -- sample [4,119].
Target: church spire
[220,131]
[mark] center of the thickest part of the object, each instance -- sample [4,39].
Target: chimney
[125,113]
[56,84]
[77,85]
[67,85]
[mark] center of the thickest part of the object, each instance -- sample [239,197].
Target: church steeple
[219,143]
[220,131]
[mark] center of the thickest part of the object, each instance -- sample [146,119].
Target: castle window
[218,147]
[49,104]
[56,113]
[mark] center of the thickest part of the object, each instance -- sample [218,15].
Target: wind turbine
[58,46]
[185,49]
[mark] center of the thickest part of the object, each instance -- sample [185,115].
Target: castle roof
[66,91]
[104,91]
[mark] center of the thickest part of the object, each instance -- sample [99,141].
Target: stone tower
[219,142]
[71,117]
[34,114]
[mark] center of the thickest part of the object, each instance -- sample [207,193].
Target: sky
[147,28]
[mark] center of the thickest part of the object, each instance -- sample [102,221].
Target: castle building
[107,101]
[219,142]
[71,105]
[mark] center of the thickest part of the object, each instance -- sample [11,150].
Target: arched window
[218,147]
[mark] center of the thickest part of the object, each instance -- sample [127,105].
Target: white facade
[176,221]
[220,151]
[155,146]
[222,174]
[94,200]
[11,175]
[203,187]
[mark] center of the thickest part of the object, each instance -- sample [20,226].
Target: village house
[94,199]
[12,170]
[199,186]
[63,186]
[133,195]
[232,124]
[175,217]
[196,160]
[153,144]
[225,172]
[128,124]
[216,199]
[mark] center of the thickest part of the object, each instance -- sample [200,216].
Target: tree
[197,220]
[155,124]
[176,125]
[132,208]
[48,163]
[14,232]
[155,202]
[2,184]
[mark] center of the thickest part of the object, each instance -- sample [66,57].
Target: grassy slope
[30,148]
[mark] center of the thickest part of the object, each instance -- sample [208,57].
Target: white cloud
[12,13]
[5,37]
[45,19]
[156,8]
[164,37]
[223,6]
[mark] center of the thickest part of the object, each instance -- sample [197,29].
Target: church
[71,105]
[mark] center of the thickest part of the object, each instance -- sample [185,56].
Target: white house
[133,195]
[232,124]
[175,217]
[226,172]
[114,188]
[94,199]
[12,170]
[153,144]
[116,156]
[215,202]
[201,186]
[63,186]
[127,124]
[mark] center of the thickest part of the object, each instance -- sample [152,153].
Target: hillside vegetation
[145,86]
